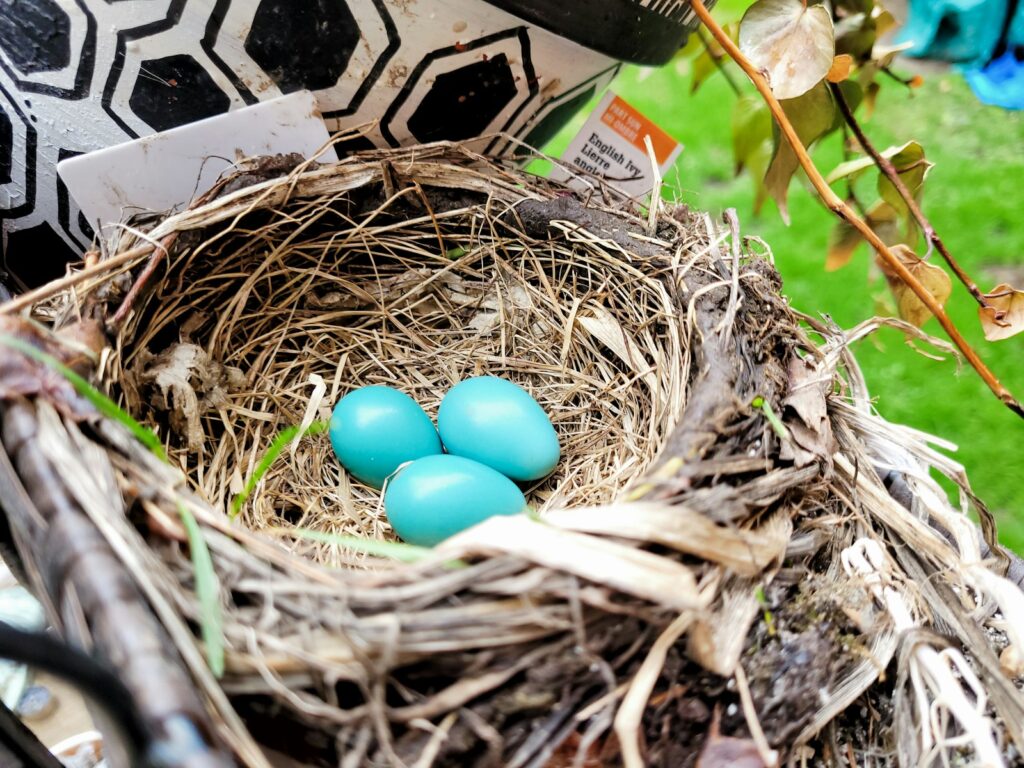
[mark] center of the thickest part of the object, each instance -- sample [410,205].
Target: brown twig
[841,209]
[889,170]
[56,286]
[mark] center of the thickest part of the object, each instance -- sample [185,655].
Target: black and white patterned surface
[78,75]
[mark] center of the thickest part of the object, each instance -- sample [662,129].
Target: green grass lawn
[973,197]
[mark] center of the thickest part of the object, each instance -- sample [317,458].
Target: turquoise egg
[497,423]
[437,496]
[374,430]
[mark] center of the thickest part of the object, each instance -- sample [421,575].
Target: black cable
[19,747]
[94,680]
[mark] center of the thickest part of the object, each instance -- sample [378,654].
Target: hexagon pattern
[6,148]
[303,43]
[79,75]
[175,90]
[462,103]
[35,35]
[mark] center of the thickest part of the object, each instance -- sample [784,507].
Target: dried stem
[841,209]
[886,167]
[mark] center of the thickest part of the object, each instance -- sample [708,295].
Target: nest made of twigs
[271,324]
[734,545]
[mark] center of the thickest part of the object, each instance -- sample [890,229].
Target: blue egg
[374,430]
[437,496]
[497,423]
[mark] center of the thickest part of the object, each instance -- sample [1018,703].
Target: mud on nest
[720,537]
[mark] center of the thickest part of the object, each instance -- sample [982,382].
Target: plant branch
[889,170]
[841,209]
[717,61]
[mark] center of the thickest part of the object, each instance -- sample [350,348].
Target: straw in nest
[734,546]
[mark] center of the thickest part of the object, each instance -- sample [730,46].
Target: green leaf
[280,442]
[884,219]
[207,591]
[703,67]
[711,57]
[751,129]
[99,401]
[912,168]
[393,550]
[792,43]
[852,169]
[854,95]
[812,117]
[855,35]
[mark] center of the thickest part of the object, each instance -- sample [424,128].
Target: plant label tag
[611,145]
[167,170]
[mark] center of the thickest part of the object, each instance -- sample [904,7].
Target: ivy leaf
[933,278]
[711,51]
[793,44]
[855,35]
[703,68]
[842,243]
[912,169]
[884,219]
[853,168]
[841,67]
[1005,318]
[751,128]
[844,239]
[812,117]
[870,99]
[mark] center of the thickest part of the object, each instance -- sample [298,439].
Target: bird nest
[736,561]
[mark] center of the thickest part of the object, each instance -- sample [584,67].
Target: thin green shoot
[769,413]
[207,592]
[769,619]
[284,437]
[392,550]
[99,401]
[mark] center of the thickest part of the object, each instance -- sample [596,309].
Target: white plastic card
[165,171]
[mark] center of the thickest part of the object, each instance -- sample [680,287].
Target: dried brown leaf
[1005,315]
[806,415]
[934,279]
[841,67]
[727,751]
[842,243]
[792,43]
[812,116]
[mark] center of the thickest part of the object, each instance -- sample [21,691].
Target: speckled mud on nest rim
[719,555]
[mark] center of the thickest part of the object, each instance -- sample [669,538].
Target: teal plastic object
[497,423]
[964,31]
[1015,34]
[374,430]
[438,496]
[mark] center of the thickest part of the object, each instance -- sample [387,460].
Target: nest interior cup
[421,71]
[268,326]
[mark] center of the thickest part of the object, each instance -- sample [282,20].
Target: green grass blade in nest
[284,437]
[771,416]
[207,589]
[393,550]
[99,401]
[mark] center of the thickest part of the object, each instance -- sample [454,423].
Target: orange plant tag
[611,144]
